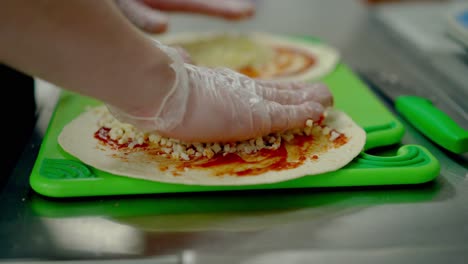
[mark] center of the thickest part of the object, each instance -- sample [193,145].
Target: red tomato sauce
[259,162]
[282,65]
[289,155]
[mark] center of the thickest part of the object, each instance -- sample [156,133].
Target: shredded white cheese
[334,135]
[176,149]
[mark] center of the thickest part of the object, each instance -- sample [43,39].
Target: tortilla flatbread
[258,55]
[328,147]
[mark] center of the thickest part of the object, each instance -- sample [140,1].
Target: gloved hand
[149,15]
[220,105]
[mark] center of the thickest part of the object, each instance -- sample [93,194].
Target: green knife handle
[433,123]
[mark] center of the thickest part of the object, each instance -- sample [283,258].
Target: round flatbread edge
[77,138]
[327,56]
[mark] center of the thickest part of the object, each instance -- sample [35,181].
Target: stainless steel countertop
[401,224]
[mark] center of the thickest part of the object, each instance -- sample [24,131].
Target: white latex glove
[150,15]
[219,105]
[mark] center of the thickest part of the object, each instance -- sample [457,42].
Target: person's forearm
[86,46]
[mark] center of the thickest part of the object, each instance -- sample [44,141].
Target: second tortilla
[258,55]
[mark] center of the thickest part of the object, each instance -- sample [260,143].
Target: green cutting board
[57,174]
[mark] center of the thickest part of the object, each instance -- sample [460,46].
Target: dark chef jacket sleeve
[17,114]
